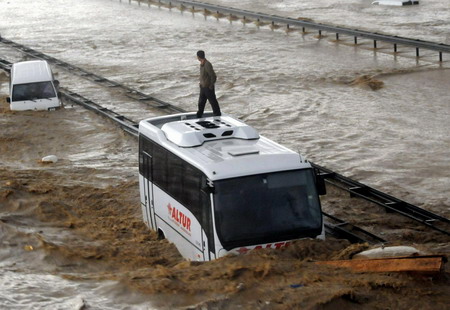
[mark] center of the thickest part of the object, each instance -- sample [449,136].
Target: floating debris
[392,251]
[49,159]
[395,2]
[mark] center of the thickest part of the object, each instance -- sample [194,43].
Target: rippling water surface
[299,90]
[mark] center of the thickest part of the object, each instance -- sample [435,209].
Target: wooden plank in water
[432,264]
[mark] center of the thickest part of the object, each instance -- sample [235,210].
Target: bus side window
[174,176]
[191,190]
[180,180]
[141,156]
[141,161]
[160,167]
[146,146]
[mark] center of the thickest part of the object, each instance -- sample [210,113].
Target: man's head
[200,55]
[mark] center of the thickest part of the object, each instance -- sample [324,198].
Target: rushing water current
[309,93]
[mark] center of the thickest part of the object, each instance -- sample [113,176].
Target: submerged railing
[305,24]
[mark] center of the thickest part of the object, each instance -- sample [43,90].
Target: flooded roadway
[295,89]
[301,91]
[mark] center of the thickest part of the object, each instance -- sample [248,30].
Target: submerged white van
[33,87]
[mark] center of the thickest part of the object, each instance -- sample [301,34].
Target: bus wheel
[161,235]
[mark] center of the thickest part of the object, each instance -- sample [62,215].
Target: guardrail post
[374,43]
[395,47]
[303,29]
[337,36]
[440,56]
[320,33]
[356,40]
[417,52]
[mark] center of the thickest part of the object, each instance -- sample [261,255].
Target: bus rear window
[267,208]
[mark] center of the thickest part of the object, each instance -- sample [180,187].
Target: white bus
[214,186]
[32,87]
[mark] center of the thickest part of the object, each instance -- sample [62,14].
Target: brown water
[71,233]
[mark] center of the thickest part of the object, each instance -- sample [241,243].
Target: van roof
[241,151]
[30,72]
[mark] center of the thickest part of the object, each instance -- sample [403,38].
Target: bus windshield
[33,91]
[267,208]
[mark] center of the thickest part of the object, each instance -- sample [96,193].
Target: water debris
[305,19]
[3,76]
[427,264]
[368,81]
[49,159]
[169,5]
[274,26]
[28,247]
[245,20]
[193,10]
[240,287]
[78,304]
[260,23]
[320,36]
[218,15]
[207,12]
[395,2]
[392,251]
[289,29]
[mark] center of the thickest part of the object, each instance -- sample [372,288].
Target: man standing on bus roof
[207,81]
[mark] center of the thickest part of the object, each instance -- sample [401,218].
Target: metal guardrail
[395,40]
[125,123]
[390,203]
[342,229]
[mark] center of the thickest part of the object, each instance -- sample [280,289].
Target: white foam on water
[45,291]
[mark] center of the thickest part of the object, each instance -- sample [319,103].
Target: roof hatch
[239,151]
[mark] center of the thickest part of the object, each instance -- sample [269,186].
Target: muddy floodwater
[71,233]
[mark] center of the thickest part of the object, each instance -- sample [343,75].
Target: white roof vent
[194,132]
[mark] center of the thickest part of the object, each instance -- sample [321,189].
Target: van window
[33,91]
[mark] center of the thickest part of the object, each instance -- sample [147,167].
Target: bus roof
[30,72]
[222,147]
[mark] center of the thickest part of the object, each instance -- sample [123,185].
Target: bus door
[148,190]
[208,224]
